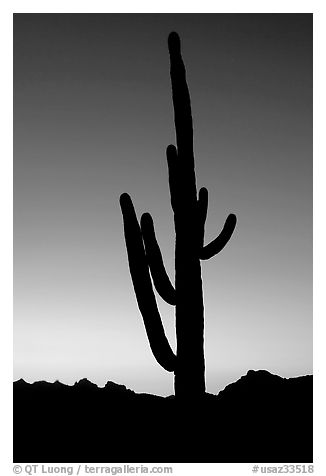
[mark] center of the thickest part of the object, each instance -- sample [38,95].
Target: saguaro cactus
[145,259]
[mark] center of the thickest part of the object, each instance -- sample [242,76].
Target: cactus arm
[153,253]
[143,286]
[202,205]
[218,244]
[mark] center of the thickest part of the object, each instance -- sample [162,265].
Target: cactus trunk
[145,259]
[190,363]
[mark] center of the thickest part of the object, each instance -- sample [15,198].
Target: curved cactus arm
[143,287]
[202,205]
[218,244]
[153,253]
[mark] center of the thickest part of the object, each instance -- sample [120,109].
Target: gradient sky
[92,118]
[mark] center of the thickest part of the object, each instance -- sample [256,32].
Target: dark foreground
[260,418]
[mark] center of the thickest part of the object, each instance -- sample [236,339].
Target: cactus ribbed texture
[145,259]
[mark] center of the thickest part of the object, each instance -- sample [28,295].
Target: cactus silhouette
[145,259]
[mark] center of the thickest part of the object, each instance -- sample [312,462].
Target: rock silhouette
[260,418]
[145,259]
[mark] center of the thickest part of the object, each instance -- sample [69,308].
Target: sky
[92,118]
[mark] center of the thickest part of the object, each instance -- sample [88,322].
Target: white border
[96,6]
